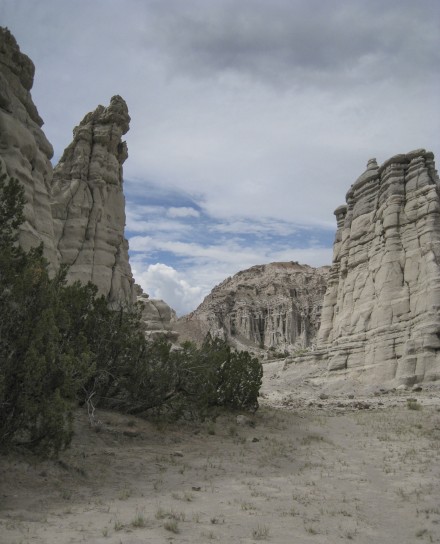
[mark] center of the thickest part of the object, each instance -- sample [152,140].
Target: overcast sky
[250,118]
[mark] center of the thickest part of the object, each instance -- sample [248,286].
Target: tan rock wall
[381,312]
[88,204]
[275,306]
[24,149]
[78,209]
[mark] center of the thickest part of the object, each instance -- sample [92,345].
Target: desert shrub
[181,383]
[62,344]
[41,366]
[412,404]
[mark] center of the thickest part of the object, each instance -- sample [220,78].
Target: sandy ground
[344,467]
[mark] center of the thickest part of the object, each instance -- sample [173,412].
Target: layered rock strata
[158,318]
[24,149]
[274,307]
[77,210]
[88,204]
[381,312]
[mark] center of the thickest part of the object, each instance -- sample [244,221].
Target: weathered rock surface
[78,209]
[276,306]
[88,204]
[381,313]
[24,149]
[159,318]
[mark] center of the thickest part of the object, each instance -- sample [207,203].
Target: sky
[250,118]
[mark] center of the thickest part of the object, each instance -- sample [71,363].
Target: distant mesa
[272,308]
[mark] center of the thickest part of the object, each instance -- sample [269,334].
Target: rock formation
[78,209]
[24,149]
[381,312]
[159,319]
[275,306]
[88,204]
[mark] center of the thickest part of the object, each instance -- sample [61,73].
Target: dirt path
[297,474]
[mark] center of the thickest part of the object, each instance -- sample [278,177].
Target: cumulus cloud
[182,212]
[164,282]
[203,266]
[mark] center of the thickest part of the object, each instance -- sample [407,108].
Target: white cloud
[204,267]
[166,283]
[182,212]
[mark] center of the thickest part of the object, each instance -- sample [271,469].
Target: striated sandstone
[88,204]
[275,306]
[77,210]
[24,149]
[158,318]
[381,313]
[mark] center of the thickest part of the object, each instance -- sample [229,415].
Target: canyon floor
[307,467]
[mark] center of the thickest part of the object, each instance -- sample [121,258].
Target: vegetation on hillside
[61,345]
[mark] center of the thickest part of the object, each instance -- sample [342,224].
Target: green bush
[41,365]
[62,344]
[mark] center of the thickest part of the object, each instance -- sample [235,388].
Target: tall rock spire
[88,204]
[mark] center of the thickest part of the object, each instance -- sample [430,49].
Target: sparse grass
[157,485]
[209,535]
[247,506]
[139,520]
[118,525]
[232,430]
[125,494]
[412,404]
[66,494]
[172,526]
[161,513]
[185,496]
[196,517]
[211,428]
[261,532]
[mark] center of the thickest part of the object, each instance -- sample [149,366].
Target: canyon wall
[24,149]
[381,312]
[273,307]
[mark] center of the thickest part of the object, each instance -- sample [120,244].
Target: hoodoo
[381,312]
[88,203]
[77,210]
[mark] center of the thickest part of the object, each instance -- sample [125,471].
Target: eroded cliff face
[381,312]
[24,149]
[275,306]
[88,204]
[78,209]
[158,318]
